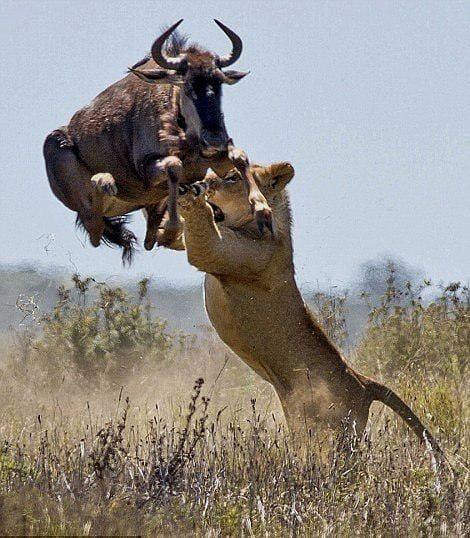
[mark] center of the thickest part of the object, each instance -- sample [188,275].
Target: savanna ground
[108,428]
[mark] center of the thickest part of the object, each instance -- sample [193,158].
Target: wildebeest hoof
[105,183]
[238,157]
[169,234]
[264,219]
[149,242]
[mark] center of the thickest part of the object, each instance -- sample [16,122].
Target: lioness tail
[385,395]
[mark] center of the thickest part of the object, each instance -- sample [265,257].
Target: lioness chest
[231,322]
[256,324]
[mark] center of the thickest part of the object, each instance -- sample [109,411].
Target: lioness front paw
[105,183]
[175,243]
[189,202]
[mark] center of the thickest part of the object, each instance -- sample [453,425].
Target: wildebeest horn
[157,52]
[237,46]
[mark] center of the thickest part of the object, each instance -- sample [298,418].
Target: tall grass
[179,457]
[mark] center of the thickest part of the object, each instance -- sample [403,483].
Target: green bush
[405,334]
[96,331]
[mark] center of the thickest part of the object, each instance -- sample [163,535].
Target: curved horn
[237,46]
[157,52]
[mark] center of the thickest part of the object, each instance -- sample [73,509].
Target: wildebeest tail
[117,234]
[385,395]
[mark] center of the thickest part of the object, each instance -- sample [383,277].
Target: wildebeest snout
[215,140]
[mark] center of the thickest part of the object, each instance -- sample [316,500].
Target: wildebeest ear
[281,174]
[232,77]
[155,76]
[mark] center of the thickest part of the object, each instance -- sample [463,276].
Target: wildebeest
[160,125]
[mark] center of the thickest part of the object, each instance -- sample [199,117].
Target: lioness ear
[154,76]
[280,175]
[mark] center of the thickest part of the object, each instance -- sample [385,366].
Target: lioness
[255,306]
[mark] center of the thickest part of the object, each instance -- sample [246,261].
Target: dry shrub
[204,477]
[423,350]
[78,458]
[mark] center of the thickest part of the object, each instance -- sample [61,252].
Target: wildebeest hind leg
[69,179]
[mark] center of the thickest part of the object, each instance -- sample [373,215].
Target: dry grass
[78,458]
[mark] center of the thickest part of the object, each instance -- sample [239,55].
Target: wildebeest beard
[206,95]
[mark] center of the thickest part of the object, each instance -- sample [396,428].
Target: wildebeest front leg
[256,198]
[154,215]
[170,169]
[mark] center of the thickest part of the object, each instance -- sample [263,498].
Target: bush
[224,468]
[406,335]
[96,333]
[422,349]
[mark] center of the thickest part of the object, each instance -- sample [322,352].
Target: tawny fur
[255,306]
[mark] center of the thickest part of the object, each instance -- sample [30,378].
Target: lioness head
[228,197]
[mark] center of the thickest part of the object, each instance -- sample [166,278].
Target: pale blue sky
[368,100]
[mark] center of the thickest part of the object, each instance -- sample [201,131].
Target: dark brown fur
[130,147]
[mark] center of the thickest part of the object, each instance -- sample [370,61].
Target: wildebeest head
[200,74]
